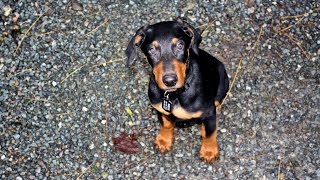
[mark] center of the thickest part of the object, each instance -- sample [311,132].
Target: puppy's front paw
[209,152]
[163,144]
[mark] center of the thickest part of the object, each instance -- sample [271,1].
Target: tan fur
[158,73]
[137,39]
[164,140]
[178,112]
[174,41]
[209,150]
[180,70]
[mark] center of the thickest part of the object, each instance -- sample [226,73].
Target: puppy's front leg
[164,140]
[209,148]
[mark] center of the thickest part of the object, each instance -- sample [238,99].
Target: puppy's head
[167,46]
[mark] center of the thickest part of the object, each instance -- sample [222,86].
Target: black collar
[176,93]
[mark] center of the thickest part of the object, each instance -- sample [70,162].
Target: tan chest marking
[178,112]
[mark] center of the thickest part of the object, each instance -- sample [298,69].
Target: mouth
[170,89]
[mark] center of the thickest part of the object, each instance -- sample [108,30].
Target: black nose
[170,80]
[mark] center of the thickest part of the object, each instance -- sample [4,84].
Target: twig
[240,63]
[298,21]
[291,17]
[91,15]
[84,171]
[298,43]
[138,164]
[62,31]
[161,12]
[45,33]
[63,114]
[67,6]
[95,29]
[25,70]
[26,33]
[297,16]
[292,39]
[109,62]
[40,100]
[258,39]
[72,73]
[279,170]
[254,47]
[233,81]
[286,28]
[209,25]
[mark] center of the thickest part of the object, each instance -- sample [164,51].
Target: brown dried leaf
[127,143]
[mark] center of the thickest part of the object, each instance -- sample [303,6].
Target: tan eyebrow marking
[137,40]
[174,41]
[155,44]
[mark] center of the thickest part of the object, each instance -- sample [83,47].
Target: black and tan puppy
[186,84]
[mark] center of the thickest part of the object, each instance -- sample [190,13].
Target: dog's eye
[180,45]
[151,50]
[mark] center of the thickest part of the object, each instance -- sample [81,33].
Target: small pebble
[223,130]
[91,146]
[77,6]
[85,109]
[7,10]
[54,83]
[251,10]
[104,175]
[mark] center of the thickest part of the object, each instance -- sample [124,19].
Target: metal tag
[166,104]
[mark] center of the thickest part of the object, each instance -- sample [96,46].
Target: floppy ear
[135,42]
[191,32]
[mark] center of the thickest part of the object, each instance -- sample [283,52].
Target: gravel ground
[65,90]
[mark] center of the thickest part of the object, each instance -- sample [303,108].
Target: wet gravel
[65,91]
